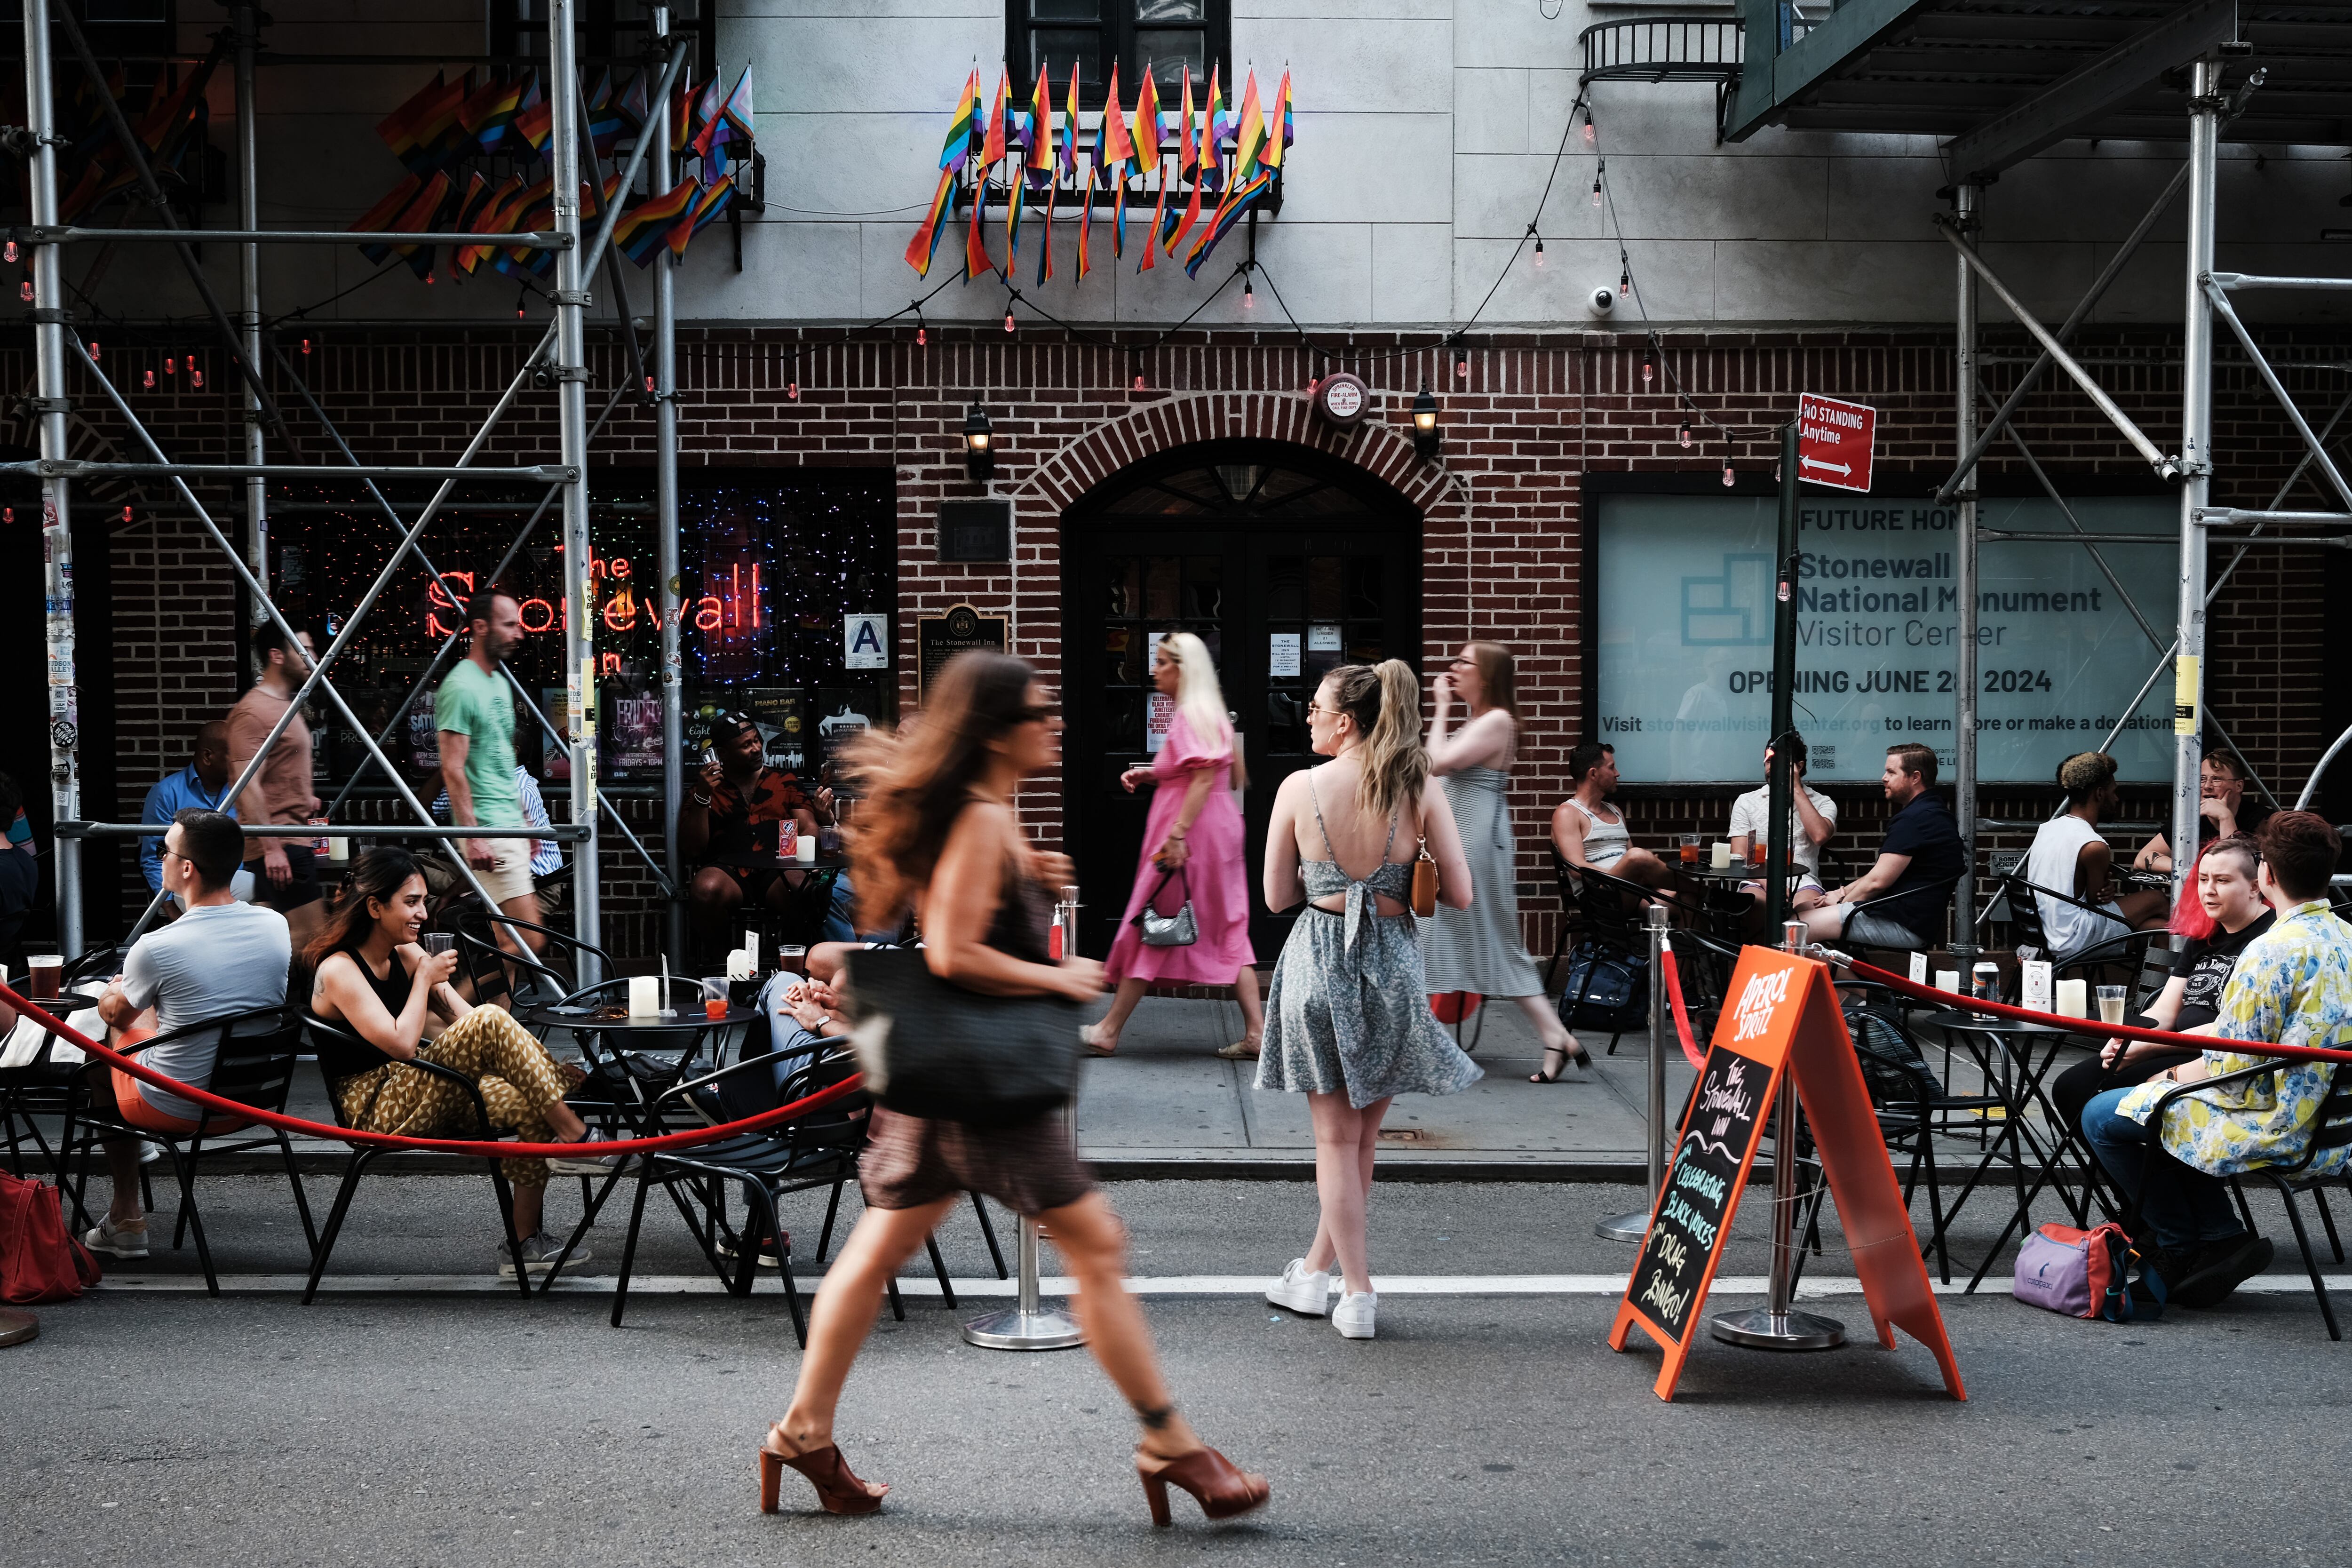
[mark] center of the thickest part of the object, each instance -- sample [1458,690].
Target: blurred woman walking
[1348,1021]
[936,829]
[1193,853]
[1478,949]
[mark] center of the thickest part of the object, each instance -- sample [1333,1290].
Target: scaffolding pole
[571,418]
[673,691]
[1967,198]
[244,22]
[56,514]
[2196,468]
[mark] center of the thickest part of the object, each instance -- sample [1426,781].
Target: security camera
[1601,301]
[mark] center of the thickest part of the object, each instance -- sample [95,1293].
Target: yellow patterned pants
[517,1080]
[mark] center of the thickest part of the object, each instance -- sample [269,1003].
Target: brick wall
[1503,514]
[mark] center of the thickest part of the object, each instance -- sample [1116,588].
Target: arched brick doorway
[1286,560]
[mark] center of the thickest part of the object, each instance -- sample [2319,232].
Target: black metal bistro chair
[2331,1129]
[41,1086]
[253,1064]
[363,1155]
[2125,953]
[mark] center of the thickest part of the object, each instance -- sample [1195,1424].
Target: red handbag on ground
[38,1261]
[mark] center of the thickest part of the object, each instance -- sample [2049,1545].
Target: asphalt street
[381,1428]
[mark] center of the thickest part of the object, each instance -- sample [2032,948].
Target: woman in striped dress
[1478,949]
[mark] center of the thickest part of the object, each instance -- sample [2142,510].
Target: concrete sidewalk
[1166,1107]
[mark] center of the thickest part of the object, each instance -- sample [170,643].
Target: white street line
[1811,1286]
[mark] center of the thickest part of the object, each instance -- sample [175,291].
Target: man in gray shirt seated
[221,957]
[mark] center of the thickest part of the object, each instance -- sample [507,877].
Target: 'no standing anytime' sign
[1834,441]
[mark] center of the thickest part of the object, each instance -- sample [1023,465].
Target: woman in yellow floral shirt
[2293,986]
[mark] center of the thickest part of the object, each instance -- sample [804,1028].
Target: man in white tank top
[2069,857]
[1590,832]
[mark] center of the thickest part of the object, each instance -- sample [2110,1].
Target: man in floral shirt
[2292,986]
[733,814]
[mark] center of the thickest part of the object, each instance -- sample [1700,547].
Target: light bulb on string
[10,254]
[149,381]
[126,514]
[793,391]
[169,364]
[1726,470]
[1008,317]
[1461,364]
[1597,173]
[196,378]
[1249,294]
[922,337]
[649,384]
[25,292]
[1590,139]
[93,351]
[1139,381]
[7,514]
[1624,282]
[1686,434]
[305,345]
[1649,370]
[1539,250]
[429,278]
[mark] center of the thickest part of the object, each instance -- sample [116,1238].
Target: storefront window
[770,569]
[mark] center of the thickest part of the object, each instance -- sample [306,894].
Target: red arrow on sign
[1834,442]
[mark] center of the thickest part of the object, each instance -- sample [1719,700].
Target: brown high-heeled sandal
[1221,1487]
[837,1487]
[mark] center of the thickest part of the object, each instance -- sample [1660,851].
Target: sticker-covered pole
[1780,801]
[57,516]
[1780,1326]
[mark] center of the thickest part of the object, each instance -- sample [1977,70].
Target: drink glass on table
[437,942]
[43,972]
[792,957]
[1690,849]
[2111,1004]
[714,996]
[1757,848]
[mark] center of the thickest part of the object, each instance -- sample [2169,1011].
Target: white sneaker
[1301,1289]
[538,1254]
[1353,1316]
[119,1241]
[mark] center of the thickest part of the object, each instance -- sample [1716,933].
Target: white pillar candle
[2074,998]
[1947,980]
[645,995]
[804,849]
[1722,861]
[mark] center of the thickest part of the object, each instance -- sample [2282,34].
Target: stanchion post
[1779,1326]
[1029,1325]
[1635,1225]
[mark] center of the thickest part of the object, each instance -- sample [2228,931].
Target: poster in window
[776,710]
[555,702]
[1157,719]
[636,738]
[423,735]
[1686,597]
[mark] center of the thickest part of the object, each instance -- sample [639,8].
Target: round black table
[616,1021]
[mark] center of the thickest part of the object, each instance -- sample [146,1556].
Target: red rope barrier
[1682,1018]
[1911,987]
[492,1151]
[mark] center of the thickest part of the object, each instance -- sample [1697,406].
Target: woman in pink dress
[1194,826]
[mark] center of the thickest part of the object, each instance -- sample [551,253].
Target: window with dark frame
[1092,34]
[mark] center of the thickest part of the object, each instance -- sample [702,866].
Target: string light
[1139,381]
[305,345]
[168,365]
[1008,317]
[429,278]
[150,383]
[126,514]
[1599,170]
[25,292]
[922,337]
[1624,282]
[1648,370]
[1531,229]
[1726,468]
[1685,435]
[1461,364]
[1590,139]
[649,384]
[93,351]
[1249,293]
[10,253]
[7,514]
[195,377]
[521,295]
[792,390]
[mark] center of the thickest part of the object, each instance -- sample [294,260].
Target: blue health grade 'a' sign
[1685,626]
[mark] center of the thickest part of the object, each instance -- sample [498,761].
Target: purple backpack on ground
[2086,1274]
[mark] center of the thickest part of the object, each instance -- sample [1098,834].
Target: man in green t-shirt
[475,713]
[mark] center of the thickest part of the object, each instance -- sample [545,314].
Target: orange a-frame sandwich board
[1781,1014]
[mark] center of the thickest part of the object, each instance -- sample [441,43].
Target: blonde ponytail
[1385,701]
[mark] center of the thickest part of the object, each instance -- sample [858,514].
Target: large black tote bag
[931,1048]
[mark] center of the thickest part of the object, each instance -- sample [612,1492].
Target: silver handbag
[1179,930]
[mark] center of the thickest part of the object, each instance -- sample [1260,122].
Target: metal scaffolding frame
[2207,295]
[559,355]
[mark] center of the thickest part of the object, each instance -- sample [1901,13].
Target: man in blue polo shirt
[204,783]
[1919,860]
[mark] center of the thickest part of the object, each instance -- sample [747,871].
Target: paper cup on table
[1721,859]
[1948,980]
[2074,999]
[645,995]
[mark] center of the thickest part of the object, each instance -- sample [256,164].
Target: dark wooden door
[1284,567]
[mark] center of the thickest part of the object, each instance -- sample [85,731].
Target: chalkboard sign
[939,638]
[1694,1212]
[1781,1012]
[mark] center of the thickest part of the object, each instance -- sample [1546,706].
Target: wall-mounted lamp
[979,446]
[1425,439]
